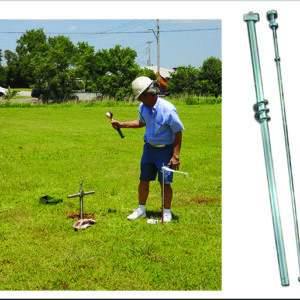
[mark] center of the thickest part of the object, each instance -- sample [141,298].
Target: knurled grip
[261,111]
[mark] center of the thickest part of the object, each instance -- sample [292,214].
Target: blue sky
[182,42]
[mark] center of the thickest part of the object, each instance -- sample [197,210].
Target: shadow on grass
[151,214]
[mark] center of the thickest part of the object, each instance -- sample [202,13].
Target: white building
[164,72]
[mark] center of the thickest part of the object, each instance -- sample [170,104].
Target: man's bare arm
[174,162]
[131,124]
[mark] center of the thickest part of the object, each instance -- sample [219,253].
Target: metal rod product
[271,16]
[80,194]
[261,115]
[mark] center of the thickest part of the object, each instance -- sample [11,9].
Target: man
[162,142]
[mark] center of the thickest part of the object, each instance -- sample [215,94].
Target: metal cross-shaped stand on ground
[80,194]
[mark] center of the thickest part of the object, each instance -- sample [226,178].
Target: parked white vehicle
[3,93]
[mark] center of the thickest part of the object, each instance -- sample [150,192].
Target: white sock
[142,207]
[167,211]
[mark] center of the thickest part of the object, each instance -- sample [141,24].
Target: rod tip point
[285,282]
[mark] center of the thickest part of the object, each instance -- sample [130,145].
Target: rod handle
[88,193]
[74,195]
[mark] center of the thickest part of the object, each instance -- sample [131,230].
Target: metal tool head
[251,17]
[109,114]
[271,16]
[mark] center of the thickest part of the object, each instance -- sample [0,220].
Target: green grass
[49,150]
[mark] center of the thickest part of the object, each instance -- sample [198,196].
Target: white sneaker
[167,217]
[136,214]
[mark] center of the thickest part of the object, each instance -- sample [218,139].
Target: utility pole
[148,51]
[158,47]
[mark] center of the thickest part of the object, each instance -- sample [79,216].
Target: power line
[128,25]
[131,25]
[115,32]
[199,29]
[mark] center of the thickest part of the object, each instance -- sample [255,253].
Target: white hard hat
[141,84]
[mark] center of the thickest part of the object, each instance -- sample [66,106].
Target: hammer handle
[120,133]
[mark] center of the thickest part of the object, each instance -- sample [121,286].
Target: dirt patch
[201,201]
[85,216]
[6,262]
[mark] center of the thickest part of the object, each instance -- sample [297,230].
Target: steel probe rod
[271,16]
[81,194]
[262,117]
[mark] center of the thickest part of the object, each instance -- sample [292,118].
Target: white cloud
[72,28]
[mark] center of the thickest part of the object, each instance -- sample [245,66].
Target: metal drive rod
[271,16]
[262,117]
[80,194]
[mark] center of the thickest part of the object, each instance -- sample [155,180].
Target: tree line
[54,67]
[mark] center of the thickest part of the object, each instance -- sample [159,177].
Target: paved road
[24,94]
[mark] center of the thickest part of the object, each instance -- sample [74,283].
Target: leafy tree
[211,71]
[2,72]
[88,68]
[120,70]
[185,80]
[30,47]
[147,72]
[108,71]
[54,67]
[61,52]
[206,80]
[13,78]
[55,70]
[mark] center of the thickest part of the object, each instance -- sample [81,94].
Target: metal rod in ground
[81,207]
[271,16]
[261,115]
[81,194]
[163,195]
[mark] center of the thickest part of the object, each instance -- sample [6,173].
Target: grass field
[48,150]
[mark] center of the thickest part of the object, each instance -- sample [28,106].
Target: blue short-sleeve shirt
[162,124]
